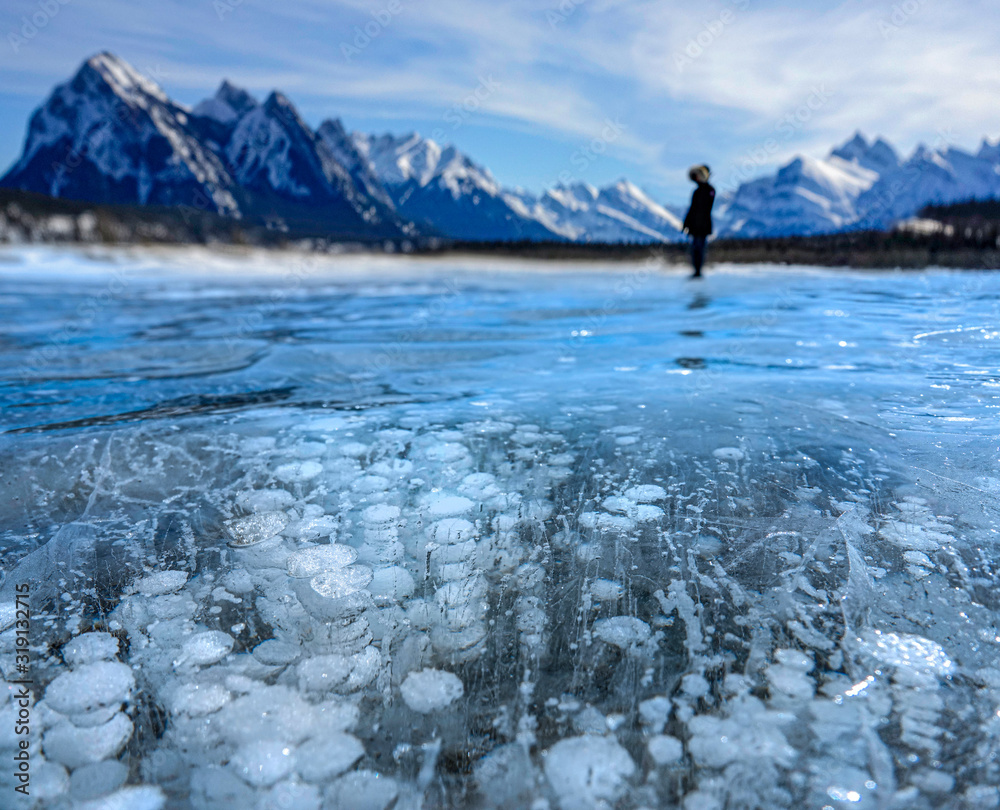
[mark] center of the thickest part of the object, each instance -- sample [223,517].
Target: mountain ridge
[111,135]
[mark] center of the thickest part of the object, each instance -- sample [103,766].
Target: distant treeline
[969,237]
[977,221]
[861,249]
[36,218]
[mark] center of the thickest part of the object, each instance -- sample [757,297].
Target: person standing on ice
[698,222]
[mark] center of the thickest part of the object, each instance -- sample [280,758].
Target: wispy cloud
[688,81]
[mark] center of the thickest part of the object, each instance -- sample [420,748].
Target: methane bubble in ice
[905,651]
[342,581]
[430,690]
[90,687]
[263,762]
[298,471]
[622,631]
[323,758]
[90,647]
[432,553]
[255,529]
[665,749]
[588,771]
[605,590]
[199,699]
[206,648]
[161,582]
[646,493]
[309,562]
[442,505]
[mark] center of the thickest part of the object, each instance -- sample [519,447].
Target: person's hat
[699,174]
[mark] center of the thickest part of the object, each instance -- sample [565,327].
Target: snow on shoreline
[234,264]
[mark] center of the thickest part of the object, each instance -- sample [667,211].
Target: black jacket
[698,221]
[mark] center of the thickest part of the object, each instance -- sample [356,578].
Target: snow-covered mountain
[860,184]
[617,213]
[346,152]
[288,168]
[444,191]
[929,176]
[228,105]
[112,135]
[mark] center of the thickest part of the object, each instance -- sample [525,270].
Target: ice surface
[444,552]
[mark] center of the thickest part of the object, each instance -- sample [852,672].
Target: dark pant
[698,253]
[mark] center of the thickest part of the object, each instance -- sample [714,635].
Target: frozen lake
[391,533]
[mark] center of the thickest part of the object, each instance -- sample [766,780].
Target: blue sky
[553,89]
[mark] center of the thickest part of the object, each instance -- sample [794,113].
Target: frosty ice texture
[527,594]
